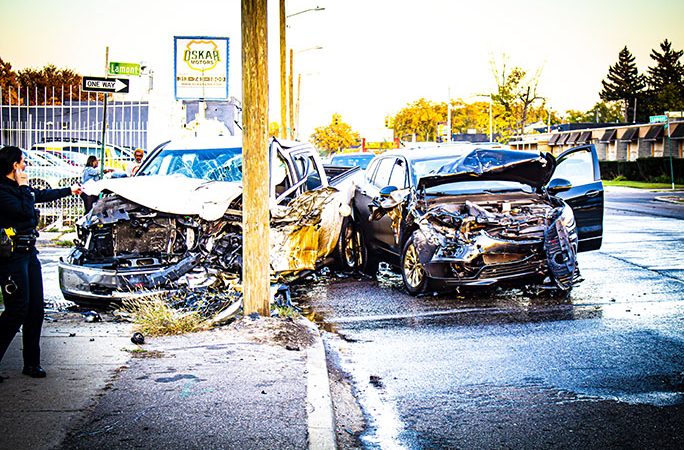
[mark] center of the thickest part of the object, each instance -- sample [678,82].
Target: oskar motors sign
[201,67]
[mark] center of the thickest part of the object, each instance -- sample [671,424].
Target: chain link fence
[59,128]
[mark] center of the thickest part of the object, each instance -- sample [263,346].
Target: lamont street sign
[99,84]
[124,68]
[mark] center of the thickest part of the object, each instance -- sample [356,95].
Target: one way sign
[99,84]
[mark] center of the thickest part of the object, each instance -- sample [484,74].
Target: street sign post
[105,85]
[124,68]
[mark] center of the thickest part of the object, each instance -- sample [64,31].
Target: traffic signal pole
[255,212]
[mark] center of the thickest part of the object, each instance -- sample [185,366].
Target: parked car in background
[45,173]
[461,215]
[179,220]
[352,159]
[115,157]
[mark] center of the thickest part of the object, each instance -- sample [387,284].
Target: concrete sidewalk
[254,384]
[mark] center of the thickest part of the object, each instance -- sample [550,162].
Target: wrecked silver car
[459,215]
[178,222]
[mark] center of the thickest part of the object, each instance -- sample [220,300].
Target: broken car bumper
[95,284]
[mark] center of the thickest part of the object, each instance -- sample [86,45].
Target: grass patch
[153,317]
[284,311]
[641,184]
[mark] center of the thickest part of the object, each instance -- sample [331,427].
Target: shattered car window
[215,164]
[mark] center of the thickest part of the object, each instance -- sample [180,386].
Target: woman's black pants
[21,282]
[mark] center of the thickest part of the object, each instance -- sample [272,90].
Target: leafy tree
[51,80]
[516,92]
[7,78]
[420,118]
[274,129]
[624,82]
[602,112]
[336,136]
[666,80]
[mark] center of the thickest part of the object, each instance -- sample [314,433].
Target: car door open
[580,166]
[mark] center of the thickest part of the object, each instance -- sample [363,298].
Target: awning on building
[572,139]
[553,140]
[585,138]
[630,135]
[677,133]
[608,136]
[655,133]
[563,139]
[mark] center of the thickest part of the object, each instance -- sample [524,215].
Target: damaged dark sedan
[462,215]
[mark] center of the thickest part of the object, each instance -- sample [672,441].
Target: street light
[283,64]
[291,88]
[317,8]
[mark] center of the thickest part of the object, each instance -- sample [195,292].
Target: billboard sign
[201,67]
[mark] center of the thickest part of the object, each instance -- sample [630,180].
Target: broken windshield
[213,164]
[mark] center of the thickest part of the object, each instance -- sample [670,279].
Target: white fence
[30,116]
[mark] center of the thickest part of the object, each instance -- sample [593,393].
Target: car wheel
[412,271]
[348,247]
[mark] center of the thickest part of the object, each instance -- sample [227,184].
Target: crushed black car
[463,215]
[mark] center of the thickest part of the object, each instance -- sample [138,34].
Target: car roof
[423,151]
[346,155]
[198,143]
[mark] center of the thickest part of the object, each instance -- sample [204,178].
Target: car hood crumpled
[534,169]
[174,194]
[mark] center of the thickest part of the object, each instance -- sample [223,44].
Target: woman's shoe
[34,371]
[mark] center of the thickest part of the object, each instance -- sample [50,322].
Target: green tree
[516,92]
[602,112]
[420,118]
[666,80]
[54,82]
[7,78]
[336,136]
[624,83]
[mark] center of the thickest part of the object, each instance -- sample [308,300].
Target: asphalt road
[603,368]
[639,201]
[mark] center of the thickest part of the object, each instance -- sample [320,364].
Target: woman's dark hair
[91,159]
[8,156]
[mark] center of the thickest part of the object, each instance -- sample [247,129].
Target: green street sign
[124,68]
[657,119]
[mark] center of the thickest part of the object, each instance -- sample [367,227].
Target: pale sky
[377,55]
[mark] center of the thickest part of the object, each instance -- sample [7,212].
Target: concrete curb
[675,201]
[320,415]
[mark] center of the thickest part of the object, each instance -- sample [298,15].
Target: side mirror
[558,185]
[387,190]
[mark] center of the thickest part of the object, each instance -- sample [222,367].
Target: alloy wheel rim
[349,248]
[413,269]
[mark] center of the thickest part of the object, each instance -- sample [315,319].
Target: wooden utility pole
[291,99]
[283,76]
[255,213]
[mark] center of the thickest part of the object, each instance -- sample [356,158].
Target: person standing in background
[21,278]
[135,165]
[90,172]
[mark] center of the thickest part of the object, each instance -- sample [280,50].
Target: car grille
[528,266]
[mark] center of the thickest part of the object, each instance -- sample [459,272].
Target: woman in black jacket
[21,280]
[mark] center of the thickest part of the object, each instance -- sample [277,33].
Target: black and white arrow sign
[99,84]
